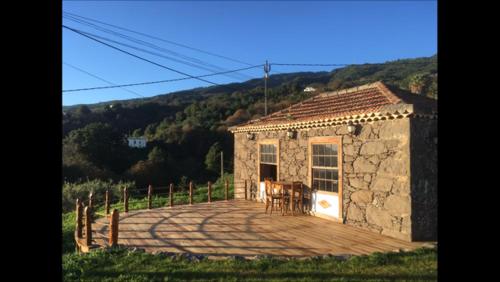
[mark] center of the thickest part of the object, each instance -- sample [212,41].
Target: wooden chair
[297,190]
[272,197]
[307,198]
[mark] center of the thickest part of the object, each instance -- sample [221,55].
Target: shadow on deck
[241,228]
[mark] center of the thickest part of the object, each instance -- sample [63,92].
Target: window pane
[334,149]
[328,161]
[328,149]
[335,174]
[334,161]
[335,187]
[329,174]
[328,186]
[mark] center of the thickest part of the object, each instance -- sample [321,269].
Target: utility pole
[267,69]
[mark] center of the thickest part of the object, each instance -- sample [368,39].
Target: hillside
[184,126]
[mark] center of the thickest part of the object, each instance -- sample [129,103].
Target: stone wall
[376,169]
[423,147]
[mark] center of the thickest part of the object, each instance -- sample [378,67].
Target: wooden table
[285,186]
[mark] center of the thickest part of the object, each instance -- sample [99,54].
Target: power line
[154,53]
[139,57]
[161,39]
[155,82]
[146,51]
[153,46]
[311,65]
[100,78]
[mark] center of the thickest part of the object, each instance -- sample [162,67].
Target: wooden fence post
[79,223]
[125,198]
[91,205]
[88,227]
[209,191]
[246,197]
[107,202]
[113,228]
[190,192]
[171,195]
[91,198]
[227,189]
[150,194]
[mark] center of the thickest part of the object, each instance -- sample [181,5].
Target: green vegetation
[184,127]
[73,191]
[125,265]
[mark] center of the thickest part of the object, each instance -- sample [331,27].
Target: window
[268,154]
[325,171]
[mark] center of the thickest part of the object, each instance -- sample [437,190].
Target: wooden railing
[85,215]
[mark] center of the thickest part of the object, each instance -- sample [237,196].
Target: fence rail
[85,214]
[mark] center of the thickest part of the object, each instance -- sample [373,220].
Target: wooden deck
[240,227]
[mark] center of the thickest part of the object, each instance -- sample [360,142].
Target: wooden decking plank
[242,228]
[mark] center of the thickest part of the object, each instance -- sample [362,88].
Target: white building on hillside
[309,89]
[137,142]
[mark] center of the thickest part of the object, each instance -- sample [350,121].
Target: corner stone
[378,217]
[382,184]
[397,205]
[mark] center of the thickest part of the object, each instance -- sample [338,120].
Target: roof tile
[354,101]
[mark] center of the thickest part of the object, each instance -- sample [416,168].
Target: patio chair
[307,199]
[297,189]
[272,197]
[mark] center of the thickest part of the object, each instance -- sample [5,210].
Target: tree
[241,115]
[157,155]
[183,183]
[137,133]
[147,172]
[417,83]
[101,145]
[212,159]
[83,110]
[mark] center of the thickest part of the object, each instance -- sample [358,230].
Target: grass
[124,265]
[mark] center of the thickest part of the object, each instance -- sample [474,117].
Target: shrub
[72,191]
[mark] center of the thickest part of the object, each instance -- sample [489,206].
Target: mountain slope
[185,124]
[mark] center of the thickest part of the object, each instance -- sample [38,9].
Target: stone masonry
[376,171]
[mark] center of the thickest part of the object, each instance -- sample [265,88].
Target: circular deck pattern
[241,228]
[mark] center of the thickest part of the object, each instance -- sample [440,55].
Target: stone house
[369,153]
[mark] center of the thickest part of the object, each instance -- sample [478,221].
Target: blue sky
[281,32]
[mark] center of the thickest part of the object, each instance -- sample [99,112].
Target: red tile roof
[363,99]
[345,104]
